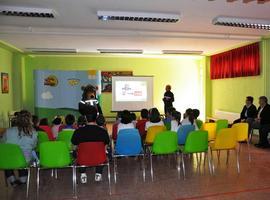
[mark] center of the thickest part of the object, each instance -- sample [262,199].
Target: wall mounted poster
[106,79]
[5,83]
[62,89]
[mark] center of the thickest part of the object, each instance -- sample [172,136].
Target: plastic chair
[183,132]
[241,131]
[91,154]
[42,137]
[128,143]
[221,124]
[165,143]
[65,136]
[199,123]
[211,129]
[152,132]
[53,155]
[197,142]
[12,158]
[226,140]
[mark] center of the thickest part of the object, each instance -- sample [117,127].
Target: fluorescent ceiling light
[27,12]
[51,50]
[242,22]
[135,51]
[138,16]
[182,52]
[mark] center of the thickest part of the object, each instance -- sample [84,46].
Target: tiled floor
[253,182]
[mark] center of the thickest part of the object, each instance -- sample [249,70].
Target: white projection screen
[132,93]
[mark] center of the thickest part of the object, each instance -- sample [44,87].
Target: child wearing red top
[44,125]
[141,123]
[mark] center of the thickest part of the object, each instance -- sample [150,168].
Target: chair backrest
[65,136]
[226,139]
[211,129]
[241,131]
[165,143]
[128,142]
[54,154]
[42,137]
[152,132]
[197,141]
[183,132]
[199,123]
[221,123]
[11,157]
[91,153]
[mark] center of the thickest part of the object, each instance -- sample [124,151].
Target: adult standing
[168,98]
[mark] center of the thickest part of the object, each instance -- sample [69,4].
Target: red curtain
[240,62]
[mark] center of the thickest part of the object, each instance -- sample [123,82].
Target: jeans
[99,169]
[10,173]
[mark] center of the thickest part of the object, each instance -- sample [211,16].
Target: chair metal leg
[74,181]
[212,161]
[109,178]
[228,155]
[183,166]
[115,169]
[209,163]
[151,166]
[52,173]
[143,165]
[55,174]
[38,169]
[237,160]
[28,182]
[178,164]
[249,156]
[218,155]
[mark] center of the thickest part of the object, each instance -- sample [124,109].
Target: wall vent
[138,16]
[27,12]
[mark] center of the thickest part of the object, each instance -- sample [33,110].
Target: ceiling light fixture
[121,51]
[242,22]
[190,52]
[138,16]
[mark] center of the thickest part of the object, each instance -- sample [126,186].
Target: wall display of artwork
[106,79]
[62,89]
[5,83]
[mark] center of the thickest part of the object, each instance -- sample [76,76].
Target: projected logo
[131,91]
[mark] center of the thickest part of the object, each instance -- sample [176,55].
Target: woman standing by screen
[168,98]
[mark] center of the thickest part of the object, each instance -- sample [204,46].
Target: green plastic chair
[54,155]
[165,143]
[12,158]
[197,142]
[66,136]
[42,137]
[221,124]
[199,123]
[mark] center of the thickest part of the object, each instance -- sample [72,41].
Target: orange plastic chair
[211,129]
[225,140]
[152,132]
[241,131]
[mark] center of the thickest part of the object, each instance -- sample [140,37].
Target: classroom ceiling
[76,25]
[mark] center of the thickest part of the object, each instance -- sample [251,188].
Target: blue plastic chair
[183,132]
[128,143]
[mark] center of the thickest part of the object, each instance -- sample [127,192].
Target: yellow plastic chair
[211,129]
[226,140]
[152,132]
[241,131]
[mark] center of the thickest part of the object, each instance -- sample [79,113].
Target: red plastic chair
[141,127]
[91,154]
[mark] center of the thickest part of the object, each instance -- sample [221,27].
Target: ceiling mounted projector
[138,16]
[242,22]
[120,51]
[27,12]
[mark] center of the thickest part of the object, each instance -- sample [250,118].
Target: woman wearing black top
[168,98]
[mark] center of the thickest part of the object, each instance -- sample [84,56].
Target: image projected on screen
[130,91]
